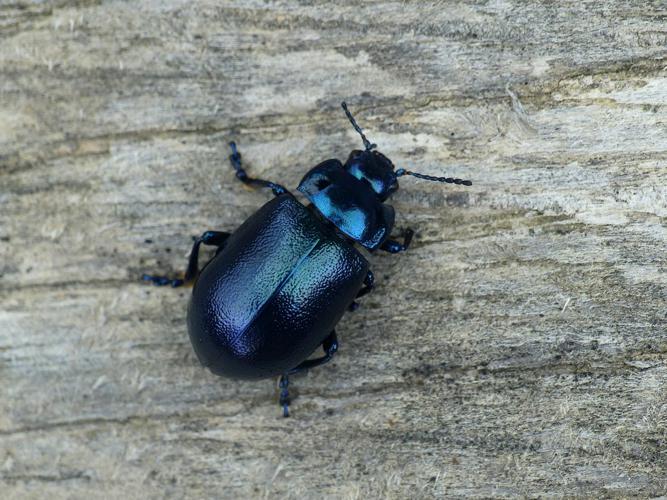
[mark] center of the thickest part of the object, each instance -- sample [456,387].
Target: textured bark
[517,349]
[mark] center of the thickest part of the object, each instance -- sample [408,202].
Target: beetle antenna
[450,180]
[367,144]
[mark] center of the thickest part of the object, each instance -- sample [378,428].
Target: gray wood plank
[517,349]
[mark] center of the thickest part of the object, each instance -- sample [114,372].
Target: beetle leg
[393,246]
[214,238]
[242,175]
[330,346]
[162,280]
[284,394]
[369,284]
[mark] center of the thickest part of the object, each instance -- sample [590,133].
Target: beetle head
[375,169]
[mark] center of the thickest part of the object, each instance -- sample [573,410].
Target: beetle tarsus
[162,280]
[393,246]
[284,394]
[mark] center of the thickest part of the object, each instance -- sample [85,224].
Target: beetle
[277,286]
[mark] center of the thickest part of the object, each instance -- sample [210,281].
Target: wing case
[272,294]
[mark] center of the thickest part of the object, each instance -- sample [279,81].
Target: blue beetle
[278,285]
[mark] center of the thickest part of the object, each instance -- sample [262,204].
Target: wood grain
[517,350]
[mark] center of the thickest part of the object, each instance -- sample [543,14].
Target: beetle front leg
[393,246]
[213,238]
[242,175]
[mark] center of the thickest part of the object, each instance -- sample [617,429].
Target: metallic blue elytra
[292,279]
[277,287]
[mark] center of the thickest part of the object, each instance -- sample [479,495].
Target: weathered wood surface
[517,349]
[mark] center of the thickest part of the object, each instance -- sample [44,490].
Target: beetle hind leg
[163,280]
[284,394]
[330,346]
[242,175]
[213,238]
